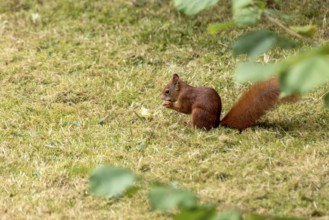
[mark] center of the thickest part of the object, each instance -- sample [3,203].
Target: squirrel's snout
[165,98]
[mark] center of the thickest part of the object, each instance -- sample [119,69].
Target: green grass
[80,86]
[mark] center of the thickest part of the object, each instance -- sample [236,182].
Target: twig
[139,117]
[278,23]
[324,94]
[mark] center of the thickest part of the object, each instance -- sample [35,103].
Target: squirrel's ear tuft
[175,78]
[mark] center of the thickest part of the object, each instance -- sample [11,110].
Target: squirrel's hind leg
[203,119]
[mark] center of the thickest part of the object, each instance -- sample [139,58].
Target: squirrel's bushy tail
[253,104]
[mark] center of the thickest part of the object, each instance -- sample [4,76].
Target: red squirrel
[205,104]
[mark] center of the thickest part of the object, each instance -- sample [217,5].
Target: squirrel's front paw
[167,104]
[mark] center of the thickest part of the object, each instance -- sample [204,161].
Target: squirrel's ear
[175,78]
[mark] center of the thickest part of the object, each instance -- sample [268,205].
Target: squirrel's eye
[167,91]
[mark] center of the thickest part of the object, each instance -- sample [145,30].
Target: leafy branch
[287,30]
[298,74]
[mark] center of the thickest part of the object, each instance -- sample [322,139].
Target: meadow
[80,85]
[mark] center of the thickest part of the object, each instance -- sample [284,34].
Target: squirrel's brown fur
[203,103]
[252,105]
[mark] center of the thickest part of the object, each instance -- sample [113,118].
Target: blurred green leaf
[198,213]
[306,75]
[285,43]
[217,27]
[244,13]
[110,181]
[247,16]
[326,100]
[168,198]
[260,4]
[229,215]
[239,4]
[307,54]
[299,74]
[307,31]
[255,72]
[254,43]
[258,42]
[192,7]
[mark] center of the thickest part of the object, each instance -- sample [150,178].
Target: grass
[80,86]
